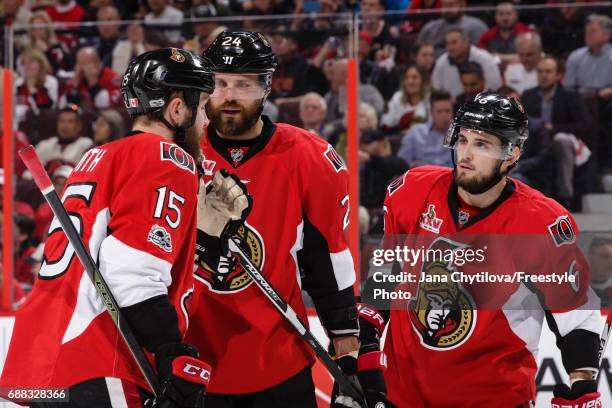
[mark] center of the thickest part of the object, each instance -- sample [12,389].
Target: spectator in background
[536,165]
[68,14]
[524,74]
[44,39]
[445,75]
[425,57]
[417,20]
[128,49]
[378,167]
[378,74]
[24,245]
[384,36]
[37,89]
[564,116]
[410,104]
[109,29]
[423,144]
[336,97]
[68,145]
[600,261]
[499,39]
[313,111]
[108,126]
[94,86]
[563,30]
[472,79]
[435,31]
[293,75]
[205,31]
[589,69]
[16,13]
[163,14]
[154,40]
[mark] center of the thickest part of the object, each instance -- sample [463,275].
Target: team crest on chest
[442,313]
[229,275]
[429,221]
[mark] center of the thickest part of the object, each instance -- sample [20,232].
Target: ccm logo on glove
[191,369]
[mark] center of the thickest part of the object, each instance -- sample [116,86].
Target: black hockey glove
[366,370]
[583,393]
[182,376]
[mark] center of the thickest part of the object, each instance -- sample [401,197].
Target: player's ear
[174,110]
[514,156]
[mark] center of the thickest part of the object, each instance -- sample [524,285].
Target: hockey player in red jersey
[295,235]
[135,202]
[444,351]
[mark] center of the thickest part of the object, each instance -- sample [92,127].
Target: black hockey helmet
[152,76]
[499,115]
[242,52]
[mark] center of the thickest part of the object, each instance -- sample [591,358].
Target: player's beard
[479,184]
[234,126]
[193,137]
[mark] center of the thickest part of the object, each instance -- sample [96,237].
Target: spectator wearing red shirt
[499,39]
[67,12]
[94,86]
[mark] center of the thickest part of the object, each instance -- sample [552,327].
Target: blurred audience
[38,89]
[435,31]
[384,36]
[45,40]
[108,126]
[163,14]
[94,86]
[68,14]
[563,28]
[424,56]
[445,75]
[127,49]
[423,143]
[204,31]
[499,39]
[68,145]
[109,30]
[473,82]
[410,104]
[564,115]
[600,261]
[313,111]
[524,74]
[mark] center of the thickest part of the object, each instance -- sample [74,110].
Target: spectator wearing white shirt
[37,89]
[409,105]
[445,75]
[523,75]
[164,14]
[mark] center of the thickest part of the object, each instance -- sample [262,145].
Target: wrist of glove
[223,205]
[182,376]
[583,393]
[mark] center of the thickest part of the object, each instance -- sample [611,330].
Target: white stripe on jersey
[115,392]
[344,270]
[587,317]
[133,275]
[297,246]
[525,317]
[88,305]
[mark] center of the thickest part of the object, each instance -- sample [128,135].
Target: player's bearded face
[233,117]
[477,169]
[193,135]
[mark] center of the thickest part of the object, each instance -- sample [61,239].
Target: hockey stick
[289,314]
[605,336]
[43,182]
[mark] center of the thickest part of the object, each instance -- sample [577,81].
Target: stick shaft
[32,162]
[289,314]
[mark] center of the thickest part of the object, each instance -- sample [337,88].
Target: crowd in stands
[419,61]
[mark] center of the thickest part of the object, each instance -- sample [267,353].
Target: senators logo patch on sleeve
[334,159]
[562,231]
[396,184]
[173,153]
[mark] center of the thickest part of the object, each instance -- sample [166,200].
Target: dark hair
[473,68]
[437,96]
[456,30]
[559,63]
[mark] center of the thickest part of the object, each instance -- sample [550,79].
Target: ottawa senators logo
[443,313]
[177,56]
[562,231]
[230,276]
[396,184]
[334,159]
[178,156]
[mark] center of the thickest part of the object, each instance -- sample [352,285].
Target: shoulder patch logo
[396,184]
[429,221]
[160,237]
[562,231]
[173,153]
[334,159]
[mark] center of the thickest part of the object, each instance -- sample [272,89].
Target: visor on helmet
[239,86]
[477,143]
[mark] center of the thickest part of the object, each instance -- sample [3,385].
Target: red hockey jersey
[466,354]
[295,236]
[134,202]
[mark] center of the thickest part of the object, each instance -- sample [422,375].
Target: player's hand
[583,393]
[182,376]
[223,205]
[367,378]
